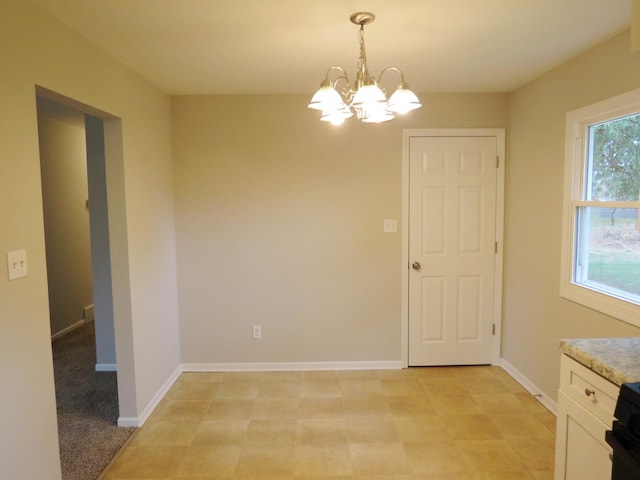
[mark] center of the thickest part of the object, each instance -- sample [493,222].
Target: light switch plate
[17,264]
[390,226]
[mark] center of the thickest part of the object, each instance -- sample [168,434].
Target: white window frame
[577,123]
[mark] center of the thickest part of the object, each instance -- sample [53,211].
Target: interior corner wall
[280,223]
[535,317]
[36,50]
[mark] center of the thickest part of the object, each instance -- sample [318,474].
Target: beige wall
[535,317]
[279,223]
[35,50]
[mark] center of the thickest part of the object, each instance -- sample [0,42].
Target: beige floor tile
[507,402]
[505,475]
[536,453]
[445,404]
[471,427]
[230,409]
[182,410]
[319,375]
[410,406]
[484,385]
[192,391]
[448,476]
[530,403]
[237,390]
[548,420]
[221,432]
[428,373]
[245,377]
[403,374]
[165,433]
[320,407]
[280,377]
[489,456]
[266,460]
[436,457]
[280,390]
[271,432]
[357,406]
[208,461]
[361,387]
[402,388]
[321,432]
[321,388]
[379,458]
[372,429]
[321,460]
[520,425]
[401,476]
[285,408]
[431,423]
[422,428]
[467,372]
[543,475]
[442,385]
[147,462]
[357,374]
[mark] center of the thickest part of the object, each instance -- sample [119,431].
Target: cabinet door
[581,450]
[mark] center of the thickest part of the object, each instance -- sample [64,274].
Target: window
[601,236]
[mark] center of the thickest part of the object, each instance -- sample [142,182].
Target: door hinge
[496,247]
[493,329]
[497,161]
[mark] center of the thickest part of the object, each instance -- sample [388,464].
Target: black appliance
[624,436]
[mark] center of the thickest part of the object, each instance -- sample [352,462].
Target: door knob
[416,265]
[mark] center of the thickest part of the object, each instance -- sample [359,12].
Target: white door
[452,249]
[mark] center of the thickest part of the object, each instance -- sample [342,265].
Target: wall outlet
[257,331]
[390,225]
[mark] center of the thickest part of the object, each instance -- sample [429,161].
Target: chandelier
[365,97]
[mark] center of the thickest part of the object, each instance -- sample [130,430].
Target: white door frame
[499,134]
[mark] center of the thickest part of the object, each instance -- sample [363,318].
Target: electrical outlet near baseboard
[257,331]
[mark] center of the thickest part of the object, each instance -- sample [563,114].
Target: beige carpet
[87,405]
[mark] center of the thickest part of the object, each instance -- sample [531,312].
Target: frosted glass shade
[403,100]
[368,94]
[327,99]
[336,117]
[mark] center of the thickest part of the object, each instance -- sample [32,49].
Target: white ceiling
[286,46]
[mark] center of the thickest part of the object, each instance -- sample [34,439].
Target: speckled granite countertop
[616,359]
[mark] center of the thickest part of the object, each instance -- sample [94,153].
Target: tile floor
[431,423]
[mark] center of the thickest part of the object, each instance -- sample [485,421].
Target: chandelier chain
[362,61]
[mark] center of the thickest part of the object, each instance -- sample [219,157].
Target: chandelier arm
[347,92]
[395,69]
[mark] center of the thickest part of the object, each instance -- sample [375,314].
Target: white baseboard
[106,367]
[69,329]
[139,420]
[519,377]
[291,366]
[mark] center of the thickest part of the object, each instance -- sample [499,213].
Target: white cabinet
[586,402]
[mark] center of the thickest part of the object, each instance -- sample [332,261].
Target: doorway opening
[79,277]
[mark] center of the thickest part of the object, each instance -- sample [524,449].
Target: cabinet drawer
[596,394]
